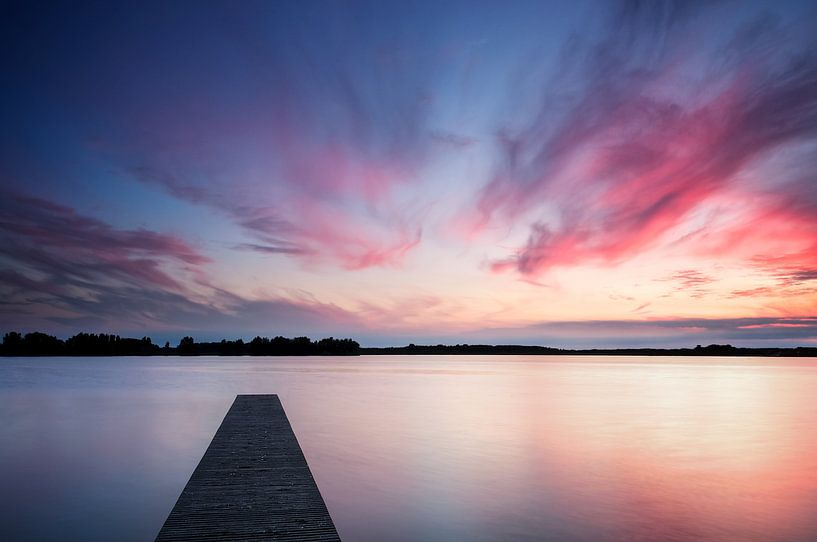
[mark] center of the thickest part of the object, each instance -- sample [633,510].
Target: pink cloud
[327,209]
[627,159]
[64,270]
[340,141]
[41,233]
[774,325]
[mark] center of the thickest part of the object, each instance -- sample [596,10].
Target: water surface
[483,448]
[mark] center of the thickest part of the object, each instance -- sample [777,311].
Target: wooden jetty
[253,483]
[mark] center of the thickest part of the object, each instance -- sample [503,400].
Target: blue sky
[568,173]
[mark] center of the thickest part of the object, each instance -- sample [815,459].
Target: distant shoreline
[89,344]
[522,350]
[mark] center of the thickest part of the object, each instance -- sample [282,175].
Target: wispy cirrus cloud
[78,250]
[694,283]
[660,164]
[307,139]
[629,139]
[63,270]
[690,278]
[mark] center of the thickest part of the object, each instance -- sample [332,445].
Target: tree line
[102,344]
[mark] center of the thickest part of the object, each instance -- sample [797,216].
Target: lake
[431,448]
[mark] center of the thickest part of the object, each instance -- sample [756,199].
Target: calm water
[429,448]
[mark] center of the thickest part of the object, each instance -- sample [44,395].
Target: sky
[571,174]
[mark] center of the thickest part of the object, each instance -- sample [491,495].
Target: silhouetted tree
[40,344]
[187,346]
[90,344]
[12,343]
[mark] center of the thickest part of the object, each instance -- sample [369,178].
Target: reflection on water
[429,448]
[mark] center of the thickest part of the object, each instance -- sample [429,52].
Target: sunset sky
[558,173]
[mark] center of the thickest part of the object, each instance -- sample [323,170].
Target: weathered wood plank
[253,483]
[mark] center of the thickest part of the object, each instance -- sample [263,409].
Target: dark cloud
[56,240]
[454,140]
[60,270]
[269,249]
[796,276]
[682,332]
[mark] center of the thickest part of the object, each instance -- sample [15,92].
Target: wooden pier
[253,483]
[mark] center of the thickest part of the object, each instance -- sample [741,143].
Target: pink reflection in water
[432,448]
[577,451]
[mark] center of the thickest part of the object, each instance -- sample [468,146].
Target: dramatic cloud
[411,170]
[304,132]
[81,251]
[65,270]
[638,130]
